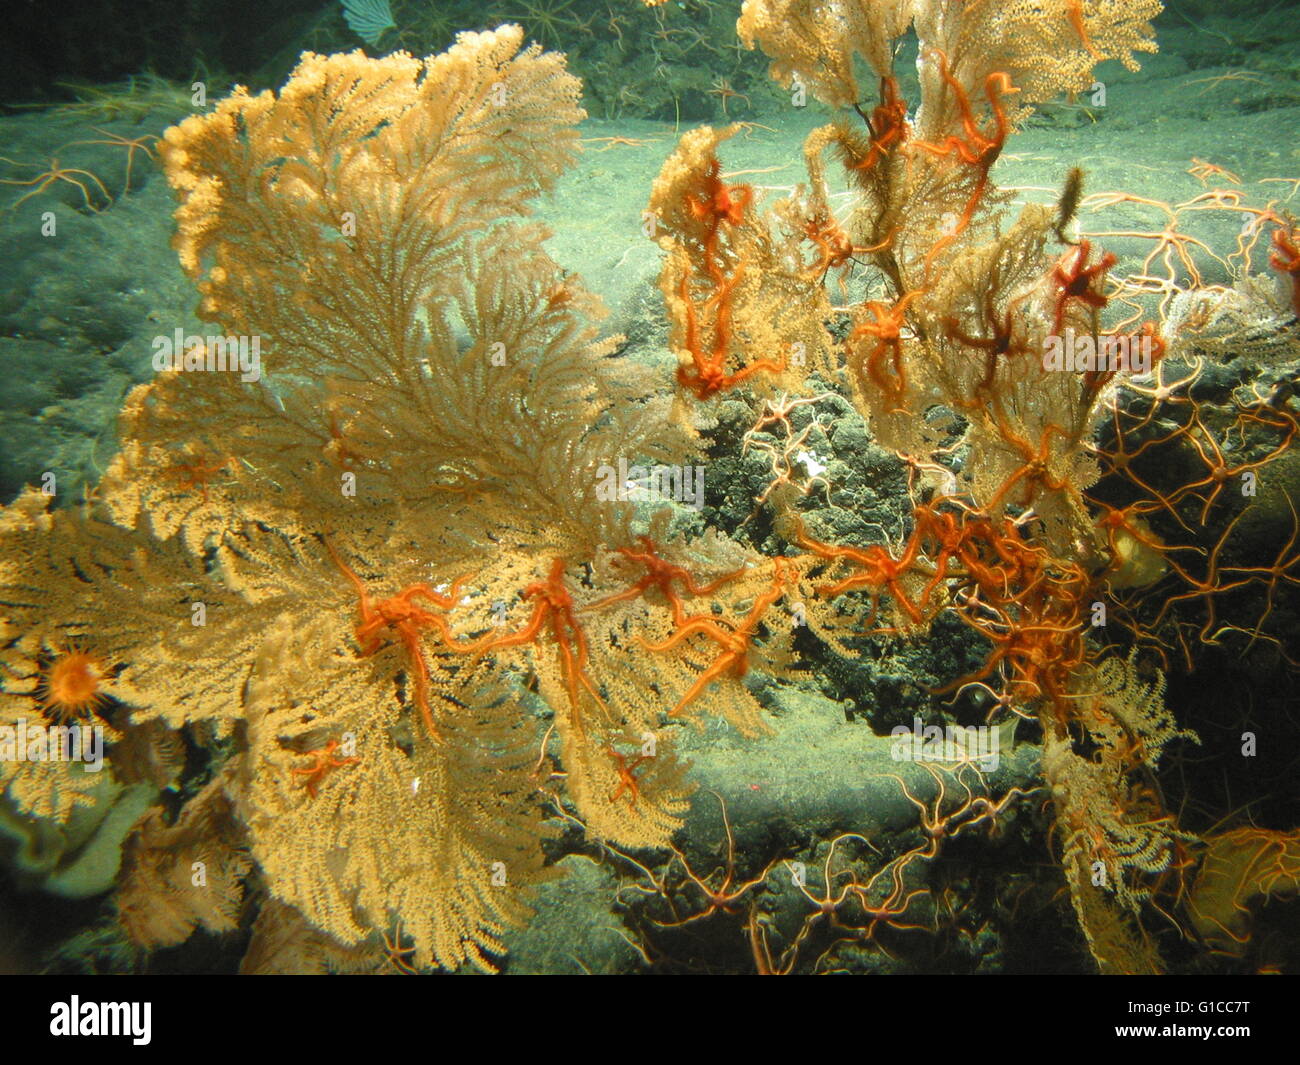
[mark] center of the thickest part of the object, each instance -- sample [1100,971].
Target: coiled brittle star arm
[401,618]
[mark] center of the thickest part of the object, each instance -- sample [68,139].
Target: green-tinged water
[725,581]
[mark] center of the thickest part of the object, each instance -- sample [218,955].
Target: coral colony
[425,569]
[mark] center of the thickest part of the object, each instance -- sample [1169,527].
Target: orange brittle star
[979,149]
[883,365]
[661,574]
[196,475]
[323,760]
[555,606]
[627,779]
[1074,277]
[880,571]
[716,203]
[405,620]
[1286,260]
[734,642]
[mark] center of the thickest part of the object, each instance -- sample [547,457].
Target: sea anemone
[73,685]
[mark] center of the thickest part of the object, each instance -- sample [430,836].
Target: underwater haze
[602,486]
